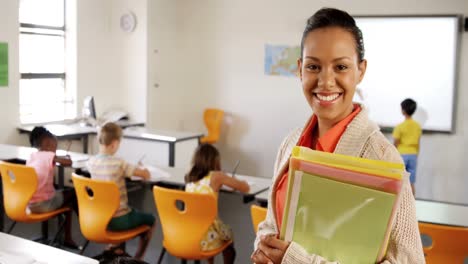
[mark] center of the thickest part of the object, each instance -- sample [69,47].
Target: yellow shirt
[408,133]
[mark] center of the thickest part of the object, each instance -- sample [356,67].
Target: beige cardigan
[362,138]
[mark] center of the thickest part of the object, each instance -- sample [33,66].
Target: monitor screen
[89,110]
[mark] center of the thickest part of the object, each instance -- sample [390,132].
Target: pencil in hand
[140,161]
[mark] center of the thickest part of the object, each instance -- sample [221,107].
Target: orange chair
[258,215]
[19,185]
[184,229]
[97,202]
[449,243]
[213,118]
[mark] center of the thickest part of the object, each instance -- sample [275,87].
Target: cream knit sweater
[362,138]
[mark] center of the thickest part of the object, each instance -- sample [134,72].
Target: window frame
[47,75]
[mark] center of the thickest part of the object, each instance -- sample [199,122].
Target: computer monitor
[89,110]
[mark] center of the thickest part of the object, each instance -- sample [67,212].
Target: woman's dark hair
[205,159]
[409,106]
[331,17]
[37,135]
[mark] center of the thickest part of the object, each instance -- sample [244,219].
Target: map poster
[281,60]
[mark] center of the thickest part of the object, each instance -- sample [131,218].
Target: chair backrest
[213,118]
[97,202]
[184,229]
[449,243]
[258,215]
[19,185]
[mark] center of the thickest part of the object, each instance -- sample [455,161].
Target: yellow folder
[374,167]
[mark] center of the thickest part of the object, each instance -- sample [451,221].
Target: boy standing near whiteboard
[406,138]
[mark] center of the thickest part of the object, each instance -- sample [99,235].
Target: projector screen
[410,57]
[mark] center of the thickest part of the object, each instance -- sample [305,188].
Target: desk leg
[263,203]
[45,231]
[248,198]
[85,144]
[171,154]
[61,177]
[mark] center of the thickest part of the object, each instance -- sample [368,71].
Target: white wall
[132,56]
[9,101]
[165,92]
[219,62]
[111,64]
[95,55]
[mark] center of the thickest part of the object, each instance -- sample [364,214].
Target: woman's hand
[270,250]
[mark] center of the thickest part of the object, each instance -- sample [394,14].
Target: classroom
[155,66]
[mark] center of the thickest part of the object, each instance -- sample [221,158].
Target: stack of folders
[341,207]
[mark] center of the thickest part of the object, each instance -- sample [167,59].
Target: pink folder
[348,176]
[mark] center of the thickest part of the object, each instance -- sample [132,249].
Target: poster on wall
[281,60]
[3,64]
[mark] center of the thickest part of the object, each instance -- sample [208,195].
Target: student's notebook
[338,221]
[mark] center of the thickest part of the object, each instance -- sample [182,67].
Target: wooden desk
[161,147]
[176,179]
[76,131]
[167,148]
[9,152]
[66,132]
[40,253]
[442,213]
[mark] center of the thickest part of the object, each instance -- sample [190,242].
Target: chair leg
[11,227]
[197,262]
[59,232]
[183,261]
[45,231]
[163,251]
[84,247]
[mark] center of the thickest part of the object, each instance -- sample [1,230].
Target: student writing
[205,176]
[46,198]
[106,166]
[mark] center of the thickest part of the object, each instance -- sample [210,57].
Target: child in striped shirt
[106,166]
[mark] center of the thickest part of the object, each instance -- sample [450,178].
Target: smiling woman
[332,64]
[330,73]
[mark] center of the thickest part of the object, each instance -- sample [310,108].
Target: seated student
[46,198]
[106,166]
[205,177]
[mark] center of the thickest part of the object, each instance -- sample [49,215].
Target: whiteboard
[410,57]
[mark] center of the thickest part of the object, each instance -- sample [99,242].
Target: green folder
[338,221]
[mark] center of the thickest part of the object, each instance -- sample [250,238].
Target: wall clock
[128,22]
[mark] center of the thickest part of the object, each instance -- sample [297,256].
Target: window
[43,94]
